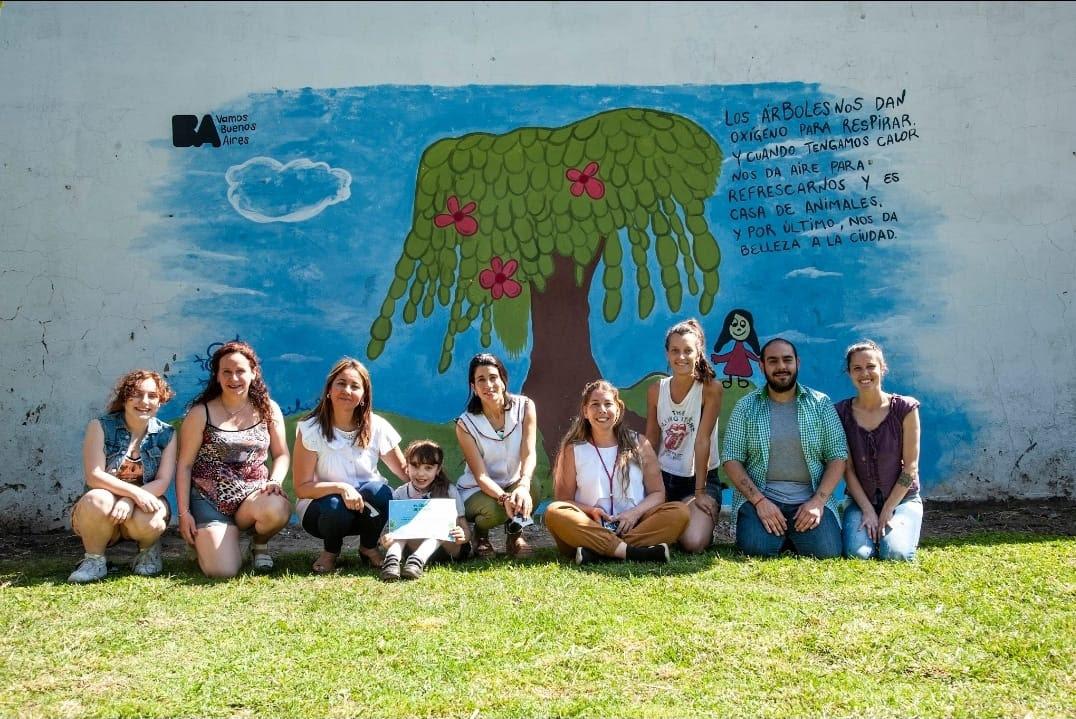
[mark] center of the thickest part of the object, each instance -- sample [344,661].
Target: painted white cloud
[802,339]
[214,256]
[215,289]
[811,273]
[296,357]
[891,325]
[307,273]
[264,190]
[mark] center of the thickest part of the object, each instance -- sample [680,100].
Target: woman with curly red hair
[128,459]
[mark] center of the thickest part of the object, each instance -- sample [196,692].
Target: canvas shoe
[147,563]
[653,553]
[90,569]
[260,559]
[412,568]
[390,568]
[584,555]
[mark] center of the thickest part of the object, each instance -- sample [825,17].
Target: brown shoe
[517,546]
[483,548]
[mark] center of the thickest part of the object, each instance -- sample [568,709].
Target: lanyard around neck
[608,474]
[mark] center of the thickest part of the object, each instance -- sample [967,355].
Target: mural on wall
[414,226]
[543,205]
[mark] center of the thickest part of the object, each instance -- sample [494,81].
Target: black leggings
[329,519]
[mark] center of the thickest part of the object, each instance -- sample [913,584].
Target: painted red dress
[737,360]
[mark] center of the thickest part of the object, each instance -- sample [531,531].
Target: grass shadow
[993,538]
[54,570]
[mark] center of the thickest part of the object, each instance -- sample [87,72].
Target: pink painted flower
[586,180]
[458,216]
[498,278]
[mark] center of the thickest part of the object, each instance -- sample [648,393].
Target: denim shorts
[679,489]
[205,512]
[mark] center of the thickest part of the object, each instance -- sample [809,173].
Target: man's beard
[782,386]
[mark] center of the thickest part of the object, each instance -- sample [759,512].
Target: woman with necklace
[497,434]
[610,498]
[128,460]
[886,514]
[681,423]
[337,448]
[222,484]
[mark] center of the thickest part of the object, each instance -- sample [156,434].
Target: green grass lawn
[979,627]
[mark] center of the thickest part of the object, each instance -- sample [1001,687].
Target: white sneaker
[147,562]
[260,559]
[90,569]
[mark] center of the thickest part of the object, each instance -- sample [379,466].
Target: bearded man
[785,452]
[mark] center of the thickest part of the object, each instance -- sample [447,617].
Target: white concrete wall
[85,90]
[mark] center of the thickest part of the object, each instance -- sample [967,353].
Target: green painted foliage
[642,178]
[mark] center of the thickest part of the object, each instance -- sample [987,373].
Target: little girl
[425,470]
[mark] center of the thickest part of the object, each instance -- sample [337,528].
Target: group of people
[618,494]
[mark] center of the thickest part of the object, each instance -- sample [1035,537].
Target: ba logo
[188,132]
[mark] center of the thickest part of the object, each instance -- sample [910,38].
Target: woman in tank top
[681,424]
[222,484]
[610,498]
[128,461]
[886,514]
[497,435]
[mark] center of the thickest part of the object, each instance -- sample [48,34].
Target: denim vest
[118,439]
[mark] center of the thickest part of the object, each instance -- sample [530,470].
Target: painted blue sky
[339,179]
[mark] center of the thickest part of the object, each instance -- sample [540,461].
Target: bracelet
[503,498]
[754,502]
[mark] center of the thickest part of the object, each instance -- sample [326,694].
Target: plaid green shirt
[747,439]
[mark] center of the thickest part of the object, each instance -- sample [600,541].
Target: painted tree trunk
[561,358]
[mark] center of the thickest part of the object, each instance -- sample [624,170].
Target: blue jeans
[329,519]
[822,542]
[899,541]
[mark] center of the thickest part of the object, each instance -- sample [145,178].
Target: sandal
[371,557]
[517,546]
[325,563]
[484,548]
[390,569]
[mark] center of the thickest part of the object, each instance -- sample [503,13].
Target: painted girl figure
[739,327]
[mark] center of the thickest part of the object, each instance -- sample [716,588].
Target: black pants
[329,519]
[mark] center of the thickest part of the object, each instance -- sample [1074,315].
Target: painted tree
[509,229]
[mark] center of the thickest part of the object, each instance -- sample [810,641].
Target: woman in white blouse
[610,498]
[334,466]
